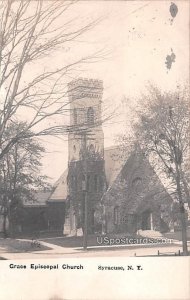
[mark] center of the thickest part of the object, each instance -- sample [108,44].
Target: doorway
[146,220]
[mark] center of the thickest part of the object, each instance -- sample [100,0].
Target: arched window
[90,115]
[85,182]
[81,154]
[74,182]
[91,149]
[75,116]
[95,183]
[137,185]
[88,183]
[101,183]
[116,215]
[137,181]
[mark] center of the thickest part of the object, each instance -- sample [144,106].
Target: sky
[136,37]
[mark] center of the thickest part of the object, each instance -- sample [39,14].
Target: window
[101,183]
[74,182]
[88,183]
[137,184]
[95,183]
[83,183]
[124,219]
[137,181]
[90,115]
[74,148]
[74,116]
[128,219]
[116,215]
[91,149]
[81,154]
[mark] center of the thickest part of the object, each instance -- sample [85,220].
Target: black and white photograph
[94,134]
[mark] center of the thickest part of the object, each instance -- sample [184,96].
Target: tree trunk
[186,189]
[4,225]
[184,229]
[182,213]
[10,227]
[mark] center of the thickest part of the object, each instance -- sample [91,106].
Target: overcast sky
[138,35]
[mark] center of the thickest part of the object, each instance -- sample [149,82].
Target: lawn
[19,246]
[71,242]
[177,235]
[94,241]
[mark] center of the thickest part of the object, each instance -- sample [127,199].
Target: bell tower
[86,151]
[85,96]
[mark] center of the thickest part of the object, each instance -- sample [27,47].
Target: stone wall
[137,199]
[94,170]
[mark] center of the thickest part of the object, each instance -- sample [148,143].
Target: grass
[19,246]
[177,235]
[77,241]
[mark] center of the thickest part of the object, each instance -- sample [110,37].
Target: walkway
[98,251]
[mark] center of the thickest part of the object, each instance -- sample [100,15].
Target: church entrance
[146,222]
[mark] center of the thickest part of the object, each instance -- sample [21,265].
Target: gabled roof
[114,161]
[136,167]
[60,189]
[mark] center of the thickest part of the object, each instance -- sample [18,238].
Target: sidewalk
[95,251]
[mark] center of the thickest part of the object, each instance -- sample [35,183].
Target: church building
[123,192]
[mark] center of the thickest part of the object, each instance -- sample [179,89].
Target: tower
[86,151]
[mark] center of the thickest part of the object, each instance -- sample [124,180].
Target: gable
[123,170]
[60,189]
[114,162]
[136,186]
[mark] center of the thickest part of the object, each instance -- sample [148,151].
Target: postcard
[94,150]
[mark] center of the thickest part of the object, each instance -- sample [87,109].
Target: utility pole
[84,185]
[85,237]
[84,133]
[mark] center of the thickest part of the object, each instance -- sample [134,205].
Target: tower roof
[85,82]
[84,87]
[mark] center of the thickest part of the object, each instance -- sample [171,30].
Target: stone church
[123,192]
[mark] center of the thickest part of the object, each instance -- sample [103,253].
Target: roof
[40,199]
[114,161]
[60,189]
[135,166]
[117,161]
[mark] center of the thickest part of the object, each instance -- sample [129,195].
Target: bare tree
[29,33]
[162,130]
